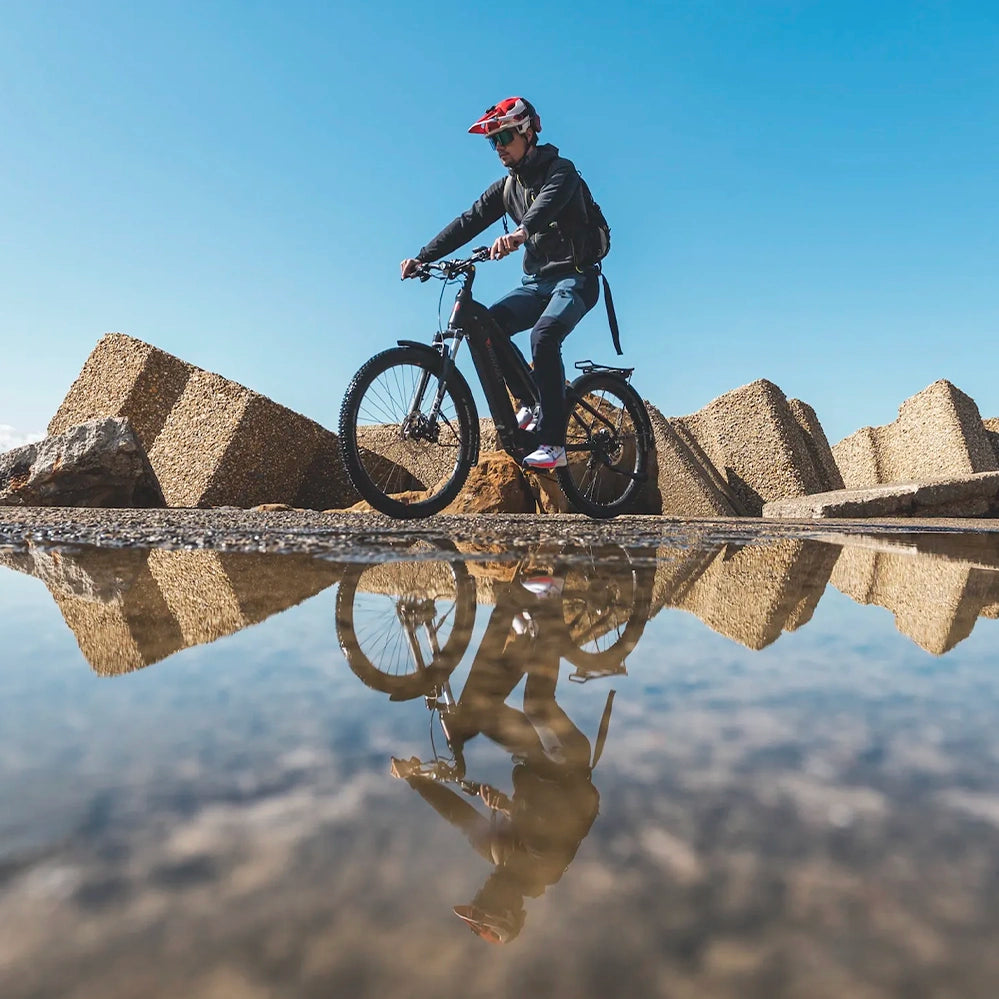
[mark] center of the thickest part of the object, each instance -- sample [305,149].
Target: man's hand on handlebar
[410,266]
[507,244]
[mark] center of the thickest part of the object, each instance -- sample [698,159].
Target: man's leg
[515,312]
[570,300]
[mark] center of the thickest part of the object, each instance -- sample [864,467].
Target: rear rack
[589,366]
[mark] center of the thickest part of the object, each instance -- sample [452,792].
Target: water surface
[738,770]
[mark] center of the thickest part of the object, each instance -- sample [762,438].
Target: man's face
[513,151]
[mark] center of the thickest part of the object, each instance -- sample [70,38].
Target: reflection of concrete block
[938,434]
[124,377]
[684,479]
[764,447]
[130,608]
[751,594]
[211,442]
[935,602]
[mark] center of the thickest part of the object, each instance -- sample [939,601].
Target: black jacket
[545,198]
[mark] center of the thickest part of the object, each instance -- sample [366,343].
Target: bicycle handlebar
[448,269]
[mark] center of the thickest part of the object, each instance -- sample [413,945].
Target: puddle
[745,769]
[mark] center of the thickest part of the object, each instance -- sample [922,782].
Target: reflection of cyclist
[532,835]
[560,285]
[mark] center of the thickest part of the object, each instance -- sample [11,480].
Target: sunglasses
[503,138]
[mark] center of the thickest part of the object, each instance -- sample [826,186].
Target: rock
[96,464]
[962,496]
[495,485]
[939,434]
[763,447]
[211,441]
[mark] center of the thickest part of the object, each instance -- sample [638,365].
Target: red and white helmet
[515,112]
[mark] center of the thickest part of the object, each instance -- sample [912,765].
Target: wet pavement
[270,755]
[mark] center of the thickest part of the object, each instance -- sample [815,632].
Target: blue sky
[803,191]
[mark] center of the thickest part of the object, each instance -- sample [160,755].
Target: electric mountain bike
[409,429]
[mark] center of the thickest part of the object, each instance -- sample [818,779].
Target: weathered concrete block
[754,438]
[935,601]
[817,444]
[992,433]
[211,441]
[939,434]
[124,377]
[967,496]
[684,481]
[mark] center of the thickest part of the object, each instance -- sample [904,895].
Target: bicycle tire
[368,647]
[607,445]
[400,462]
[605,605]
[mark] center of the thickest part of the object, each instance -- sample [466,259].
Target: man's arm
[487,210]
[557,191]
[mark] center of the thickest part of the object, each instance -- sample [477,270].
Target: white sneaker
[543,586]
[527,417]
[546,456]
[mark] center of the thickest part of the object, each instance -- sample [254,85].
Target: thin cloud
[11,438]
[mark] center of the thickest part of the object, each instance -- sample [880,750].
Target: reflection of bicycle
[412,624]
[409,429]
[404,625]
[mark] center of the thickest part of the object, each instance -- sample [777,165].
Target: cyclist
[560,283]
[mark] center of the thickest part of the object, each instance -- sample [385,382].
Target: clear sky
[802,191]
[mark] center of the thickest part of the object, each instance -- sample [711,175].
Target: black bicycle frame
[498,363]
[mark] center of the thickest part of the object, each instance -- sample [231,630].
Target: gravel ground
[363,535]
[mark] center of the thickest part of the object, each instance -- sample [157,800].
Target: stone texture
[684,481]
[128,378]
[935,601]
[129,608]
[99,463]
[992,433]
[211,441]
[495,485]
[968,496]
[939,434]
[762,446]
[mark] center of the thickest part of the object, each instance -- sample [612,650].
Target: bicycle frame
[500,366]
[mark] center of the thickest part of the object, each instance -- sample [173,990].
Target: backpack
[595,241]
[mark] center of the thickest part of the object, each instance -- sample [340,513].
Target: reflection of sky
[817,818]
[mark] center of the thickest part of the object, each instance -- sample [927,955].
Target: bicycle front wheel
[606,445]
[407,438]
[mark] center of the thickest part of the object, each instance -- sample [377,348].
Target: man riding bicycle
[544,196]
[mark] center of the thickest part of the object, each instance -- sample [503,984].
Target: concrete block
[938,434]
[968,496]
[754,438]
[935,601]
[683,481]
[211,441]
[124,377]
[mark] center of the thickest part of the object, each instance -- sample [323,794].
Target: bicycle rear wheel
[406,455]
[606,443]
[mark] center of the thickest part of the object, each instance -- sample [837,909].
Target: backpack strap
[611,314]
